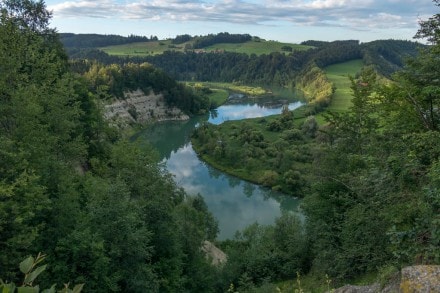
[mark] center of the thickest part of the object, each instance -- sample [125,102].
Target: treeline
[314,43]
[71,40]
[114,80]
[181,39]
[274,68]
[388,56]
[211,39]
[337,52]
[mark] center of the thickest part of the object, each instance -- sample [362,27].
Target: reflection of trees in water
[213,114]
[290,204]
[287,203]
[169,136]
[213,172]
[248,189]
[233,181]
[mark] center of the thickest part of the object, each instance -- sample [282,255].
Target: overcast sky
[282,20]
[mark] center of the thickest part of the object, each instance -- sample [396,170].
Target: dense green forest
[113,80]
[275,68]
[210,40]
[98,206]
[370,176]
[70,40]
[108,216]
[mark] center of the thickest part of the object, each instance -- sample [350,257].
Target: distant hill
[238,58]
[71,40]
[144,46]
[388,56]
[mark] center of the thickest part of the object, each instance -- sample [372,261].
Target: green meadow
[141,48]
[338,75]
[158,47]
[256,47]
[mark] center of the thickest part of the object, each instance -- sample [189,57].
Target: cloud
[353,14]
[94,9]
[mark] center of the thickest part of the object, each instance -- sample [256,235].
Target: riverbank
[275,151]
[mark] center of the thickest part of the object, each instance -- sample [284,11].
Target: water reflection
[247,110]
[235,203]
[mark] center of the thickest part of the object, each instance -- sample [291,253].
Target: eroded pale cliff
[140,108]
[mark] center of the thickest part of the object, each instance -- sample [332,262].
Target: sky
[290,21]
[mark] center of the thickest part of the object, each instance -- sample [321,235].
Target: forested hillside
[99,207]
[72,41]
[369,176]
[269,69]
[114,80]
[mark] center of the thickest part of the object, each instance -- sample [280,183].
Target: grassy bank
[218,96]
[237,88]
[273,151]
[338,75]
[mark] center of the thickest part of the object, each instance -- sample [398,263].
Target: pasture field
[218,96]
[231,87]
[256,47]
[140,48]
[158,47]
[338,75]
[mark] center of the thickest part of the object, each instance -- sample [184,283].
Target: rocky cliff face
[213,253]
[137,107]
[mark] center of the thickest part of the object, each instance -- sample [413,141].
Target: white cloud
[352,14]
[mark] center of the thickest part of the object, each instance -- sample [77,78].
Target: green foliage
[317,87]
[211,39]
[272,152]
[382,160]
[30,270]
[114,80]
[102,208]
[388,56]
[72,41]
[262,254]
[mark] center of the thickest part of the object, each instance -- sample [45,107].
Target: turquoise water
[235,203]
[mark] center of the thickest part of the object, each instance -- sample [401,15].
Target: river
[235,203]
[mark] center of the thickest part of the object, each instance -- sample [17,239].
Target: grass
[257,48]
[141,48]
[218,96]
[230,87]
[158,47]
[338,75]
